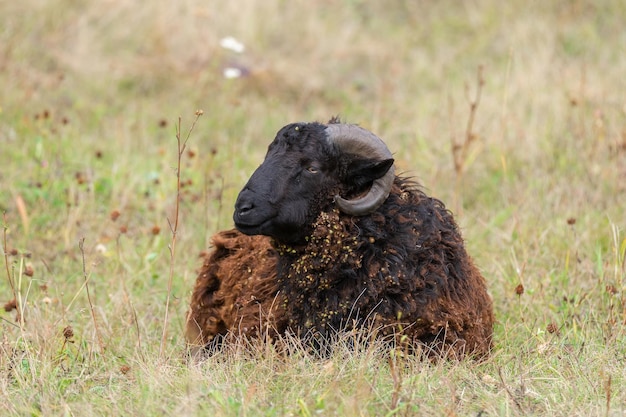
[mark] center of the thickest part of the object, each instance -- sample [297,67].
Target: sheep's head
[308,168]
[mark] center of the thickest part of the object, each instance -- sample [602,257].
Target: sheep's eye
[312,170]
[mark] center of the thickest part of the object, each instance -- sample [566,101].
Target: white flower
[232,44]
[231,72]
[101,249]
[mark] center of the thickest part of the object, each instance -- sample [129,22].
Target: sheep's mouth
[247,229]
[250,227]
[282,233]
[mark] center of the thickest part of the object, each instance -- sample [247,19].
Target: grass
[90,100]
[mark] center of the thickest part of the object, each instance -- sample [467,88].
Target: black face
[300,176]
[298,173]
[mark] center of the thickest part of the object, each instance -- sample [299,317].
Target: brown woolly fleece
[235,291]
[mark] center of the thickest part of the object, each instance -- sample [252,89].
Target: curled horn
[358,141]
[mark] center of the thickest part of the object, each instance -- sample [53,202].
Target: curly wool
[404,267]
[235,291]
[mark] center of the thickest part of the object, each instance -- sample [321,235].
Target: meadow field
[512,113]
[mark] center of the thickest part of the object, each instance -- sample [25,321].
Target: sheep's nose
[244,203]
[244,208]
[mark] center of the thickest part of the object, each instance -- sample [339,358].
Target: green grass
[91,94]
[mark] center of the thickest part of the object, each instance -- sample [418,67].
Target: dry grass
[91,93]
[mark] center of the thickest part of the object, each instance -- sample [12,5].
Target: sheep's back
[427,281]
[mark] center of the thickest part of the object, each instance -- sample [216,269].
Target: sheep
[329,238]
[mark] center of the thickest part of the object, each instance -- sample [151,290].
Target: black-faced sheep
[329,239]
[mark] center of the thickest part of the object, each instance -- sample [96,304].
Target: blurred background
[512,113]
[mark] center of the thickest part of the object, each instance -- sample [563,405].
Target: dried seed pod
[10,306]
[68,332]
[115,214]
[552,328]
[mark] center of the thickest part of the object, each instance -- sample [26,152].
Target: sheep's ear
[363,171]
